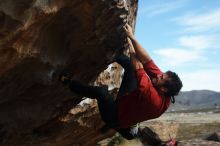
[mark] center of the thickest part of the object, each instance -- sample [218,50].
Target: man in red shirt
[145,92]
[154,91]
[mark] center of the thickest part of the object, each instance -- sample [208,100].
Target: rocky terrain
[40,37]
[189,128]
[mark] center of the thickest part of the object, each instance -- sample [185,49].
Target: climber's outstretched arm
[134,60]
[141,53]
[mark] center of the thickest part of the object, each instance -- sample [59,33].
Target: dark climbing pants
[106,104]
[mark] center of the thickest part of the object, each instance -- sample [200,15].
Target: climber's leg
[107,108]
[106,104]
[129,81]
[86,90]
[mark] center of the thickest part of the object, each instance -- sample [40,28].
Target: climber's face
[160,81]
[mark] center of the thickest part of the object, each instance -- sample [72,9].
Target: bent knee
[103,91]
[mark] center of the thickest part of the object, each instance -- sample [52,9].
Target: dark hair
[174,84]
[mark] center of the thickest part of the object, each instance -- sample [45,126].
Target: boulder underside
[39,37]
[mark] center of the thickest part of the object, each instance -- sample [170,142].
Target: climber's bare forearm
[141,53]
[134,60]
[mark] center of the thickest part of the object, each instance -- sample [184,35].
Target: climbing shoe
[65,78]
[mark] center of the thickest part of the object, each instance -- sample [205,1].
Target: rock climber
[145,92]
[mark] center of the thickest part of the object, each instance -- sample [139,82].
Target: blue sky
[183,36]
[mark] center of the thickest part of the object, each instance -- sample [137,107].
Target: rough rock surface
[37,37]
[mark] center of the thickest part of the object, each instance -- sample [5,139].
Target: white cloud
[176,56]
[192,49]
[203,79]
[200,22]
[161,8]
[198,42]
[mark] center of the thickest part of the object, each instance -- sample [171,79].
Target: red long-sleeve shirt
[144,103]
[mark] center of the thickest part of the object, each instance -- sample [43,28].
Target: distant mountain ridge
[196,99]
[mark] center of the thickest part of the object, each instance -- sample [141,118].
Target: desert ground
[188,127]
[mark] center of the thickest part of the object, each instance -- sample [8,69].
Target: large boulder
[38,37]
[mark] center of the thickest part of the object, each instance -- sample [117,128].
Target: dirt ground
[184,126]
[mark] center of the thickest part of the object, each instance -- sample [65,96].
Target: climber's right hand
[128,30]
